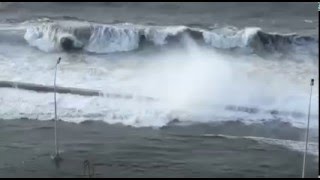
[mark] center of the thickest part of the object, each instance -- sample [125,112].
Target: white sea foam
[192,83]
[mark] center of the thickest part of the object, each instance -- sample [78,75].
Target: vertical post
[56,157]
[307,132]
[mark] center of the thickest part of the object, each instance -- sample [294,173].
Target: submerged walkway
[65,90]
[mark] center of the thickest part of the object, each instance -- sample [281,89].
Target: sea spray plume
[189,79]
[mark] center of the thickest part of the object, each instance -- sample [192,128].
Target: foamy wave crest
[105,39]
[51,37]
[229,38]
[96,38]
[110,38]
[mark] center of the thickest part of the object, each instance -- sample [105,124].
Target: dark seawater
[119,151]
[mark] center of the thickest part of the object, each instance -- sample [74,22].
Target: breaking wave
[193,81]
[110,38]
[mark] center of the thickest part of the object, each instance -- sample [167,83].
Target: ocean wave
[89,37]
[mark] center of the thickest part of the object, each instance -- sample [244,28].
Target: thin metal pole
[55,110]
[307,132]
